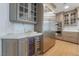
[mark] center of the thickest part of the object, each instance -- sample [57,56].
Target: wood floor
[63,48]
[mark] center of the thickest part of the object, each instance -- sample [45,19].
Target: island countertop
[20,35]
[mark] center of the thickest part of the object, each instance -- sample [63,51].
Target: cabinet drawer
[70,39]
[9,47]
[70,34]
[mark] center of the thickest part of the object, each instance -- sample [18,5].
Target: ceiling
[49,7]
[60,6]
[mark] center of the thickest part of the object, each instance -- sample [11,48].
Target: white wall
[7,27]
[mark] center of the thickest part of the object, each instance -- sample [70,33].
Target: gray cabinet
[38,45]
[23,12]
[22,47]
[15,47]
[70,36]
[48,41]
[39,18]
[35,45]
[9,47]
[70,18]
[31,47]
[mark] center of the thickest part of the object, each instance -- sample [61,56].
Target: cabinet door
[33,11]
[70,18]
[70,36]
[38,45]
[26,11]
[77,12]
[41,44]
[66,19]
[23,47]
[39,18]
[22,11]
[9,47]
[31,46]
[48,42]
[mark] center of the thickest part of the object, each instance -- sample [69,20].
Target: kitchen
[33,29]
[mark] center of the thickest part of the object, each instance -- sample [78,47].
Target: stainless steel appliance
[48,35]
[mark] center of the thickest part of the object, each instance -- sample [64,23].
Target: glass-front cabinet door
[23,12]
[27,11]
[33,11]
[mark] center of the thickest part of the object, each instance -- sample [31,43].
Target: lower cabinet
[26,47]
[9,47]
[38,45]
[35,45]
[22,47]
[70,36]
[31,47]
[48,41]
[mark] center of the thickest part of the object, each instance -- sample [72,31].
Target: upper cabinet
[68,18]
[59,18]
[39,18]
[78,12]
[23,12]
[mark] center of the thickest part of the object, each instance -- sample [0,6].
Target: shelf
[24,21]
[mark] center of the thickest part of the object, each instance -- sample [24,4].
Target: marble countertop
[70,31]
[20,35]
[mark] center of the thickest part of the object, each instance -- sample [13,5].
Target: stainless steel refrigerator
[49,29]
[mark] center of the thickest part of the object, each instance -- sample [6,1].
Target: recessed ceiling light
[66,7]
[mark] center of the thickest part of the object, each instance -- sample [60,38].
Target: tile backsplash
[21,28]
